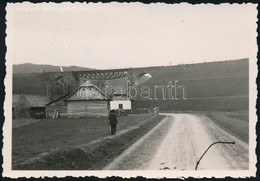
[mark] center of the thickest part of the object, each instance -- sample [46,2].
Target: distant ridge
[39,68]
[206,70]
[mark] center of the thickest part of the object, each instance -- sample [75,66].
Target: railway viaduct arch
[138,73]
[133,74]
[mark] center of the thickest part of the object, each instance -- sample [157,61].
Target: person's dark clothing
[113,128]
[112,121]
[112,118]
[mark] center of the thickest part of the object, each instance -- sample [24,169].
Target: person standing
[112,121]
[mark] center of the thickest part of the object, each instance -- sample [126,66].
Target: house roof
[57,99]
[120,97]
[32,100]
[87,84]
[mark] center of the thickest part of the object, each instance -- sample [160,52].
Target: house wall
[37,112]
[91,108]
[115,104]
[60,105]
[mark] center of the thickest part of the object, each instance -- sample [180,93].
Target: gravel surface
[178,142]
[138,155]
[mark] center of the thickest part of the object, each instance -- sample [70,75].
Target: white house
[120,101]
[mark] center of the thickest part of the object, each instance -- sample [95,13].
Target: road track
[178,142]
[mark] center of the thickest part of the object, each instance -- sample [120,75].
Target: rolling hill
[39,68]
[207,86]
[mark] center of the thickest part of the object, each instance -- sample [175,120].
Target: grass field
[69,140]
[30,140]
[200,104]
[22,122]
[235,123]
[217,86]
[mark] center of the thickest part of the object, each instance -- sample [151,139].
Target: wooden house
[57,105]
[29,106]
[87,101]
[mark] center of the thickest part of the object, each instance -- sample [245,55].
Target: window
[120,106]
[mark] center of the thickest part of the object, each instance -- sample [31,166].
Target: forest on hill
[39,68]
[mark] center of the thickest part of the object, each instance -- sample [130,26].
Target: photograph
[130,89]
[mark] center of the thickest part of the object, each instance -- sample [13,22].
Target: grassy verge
[30,140]
[90,156]
[236,123]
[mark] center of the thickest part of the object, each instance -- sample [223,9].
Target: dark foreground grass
[30,140]
[236,123]
[62,146]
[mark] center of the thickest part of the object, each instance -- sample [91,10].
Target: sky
[126,35]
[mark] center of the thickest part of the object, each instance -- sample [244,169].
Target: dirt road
[178,142]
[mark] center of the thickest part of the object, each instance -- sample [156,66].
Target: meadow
[46,135]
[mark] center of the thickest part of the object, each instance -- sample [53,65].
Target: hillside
[228,78]
[207,70]
[39,68]
[207,86]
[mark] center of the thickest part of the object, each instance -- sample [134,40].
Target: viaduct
[133,74]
